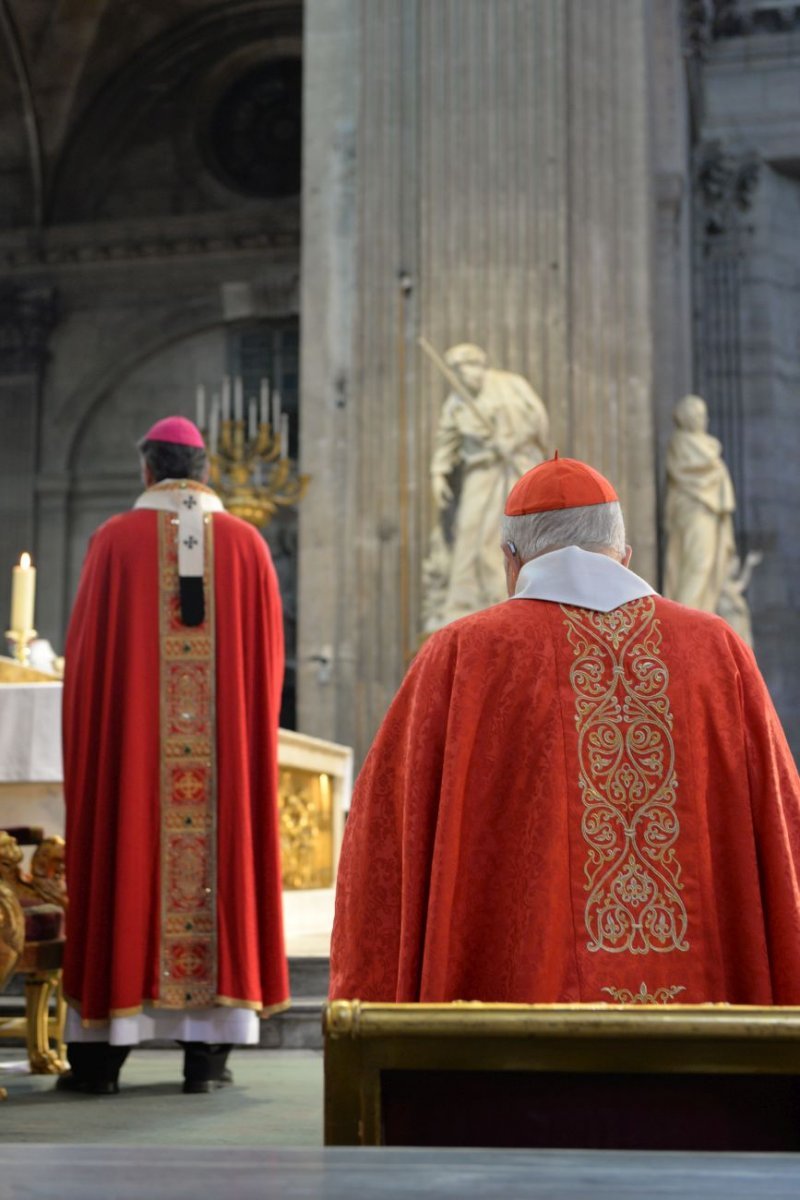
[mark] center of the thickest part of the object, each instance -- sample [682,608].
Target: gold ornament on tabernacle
[305,807]
[627,780]
[188,962]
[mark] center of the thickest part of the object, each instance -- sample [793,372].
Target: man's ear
[148,478]
[513,565]
[626,558]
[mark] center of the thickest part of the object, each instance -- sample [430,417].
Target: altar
[314,786]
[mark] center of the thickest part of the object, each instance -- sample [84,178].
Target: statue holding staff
[492,428]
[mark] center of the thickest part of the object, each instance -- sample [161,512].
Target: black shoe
[69,1082]
[196,1087]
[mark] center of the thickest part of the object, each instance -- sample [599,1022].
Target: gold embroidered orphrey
[661,995]
[188,957]
[627,780]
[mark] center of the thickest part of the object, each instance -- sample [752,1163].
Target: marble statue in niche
[702,568]
[491,429]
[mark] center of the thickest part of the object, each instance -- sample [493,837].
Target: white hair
[591,527]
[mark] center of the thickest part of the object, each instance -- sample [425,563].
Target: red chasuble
[170,764]
[567,805]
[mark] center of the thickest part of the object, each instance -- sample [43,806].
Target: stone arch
[143,341]
[196,59]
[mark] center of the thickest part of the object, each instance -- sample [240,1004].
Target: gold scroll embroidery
[627,780]
[661,995]
[188,958]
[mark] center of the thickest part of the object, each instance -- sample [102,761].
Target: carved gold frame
[43,1030]
[364,1040]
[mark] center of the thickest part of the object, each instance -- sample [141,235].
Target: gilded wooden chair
[40,897]
[12,938]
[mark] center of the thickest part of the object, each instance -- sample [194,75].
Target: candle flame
[25,561]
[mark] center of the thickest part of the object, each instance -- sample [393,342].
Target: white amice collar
[190,500]
[581,578]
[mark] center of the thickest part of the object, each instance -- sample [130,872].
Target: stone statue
[701,548]
[732,605]
[492,428]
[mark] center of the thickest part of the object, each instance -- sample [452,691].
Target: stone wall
[142,251]
[473,172]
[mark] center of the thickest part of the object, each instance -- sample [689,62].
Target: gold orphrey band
[188,951]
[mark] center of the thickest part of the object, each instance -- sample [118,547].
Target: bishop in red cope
[171,698]
[580,794]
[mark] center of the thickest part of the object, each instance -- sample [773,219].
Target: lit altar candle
[23,592]
[252,418]
[238,399]
[284,435]
[226,398]
[201,406]
[276,411]
[264,414]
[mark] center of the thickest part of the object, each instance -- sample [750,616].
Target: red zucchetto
[558,483]
[178,430]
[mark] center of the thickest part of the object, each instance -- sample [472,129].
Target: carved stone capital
[698,19]
[27,318]
[725,184]
[738,18]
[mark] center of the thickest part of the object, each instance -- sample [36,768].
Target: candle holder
[21,639]
[254,475]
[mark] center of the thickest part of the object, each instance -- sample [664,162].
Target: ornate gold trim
[186,485]
[661,995]
[188,945]
[254,1005]
[349,1018]
[628,781]
[272,1009]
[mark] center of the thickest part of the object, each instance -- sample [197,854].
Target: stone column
[725,185]
[677,46]
[609,267]
[478,172]
[330,443]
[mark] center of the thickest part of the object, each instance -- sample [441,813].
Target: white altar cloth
[30,733]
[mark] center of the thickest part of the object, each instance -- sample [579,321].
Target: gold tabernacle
[306,826]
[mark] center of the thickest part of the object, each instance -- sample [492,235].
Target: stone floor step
[309,976]
[296,1028]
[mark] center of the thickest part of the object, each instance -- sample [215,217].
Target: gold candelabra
[249,466]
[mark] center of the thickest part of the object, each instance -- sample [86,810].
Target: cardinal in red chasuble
[580,794]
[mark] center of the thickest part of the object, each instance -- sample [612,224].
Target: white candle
[276,411]
[264,398]
[201,406]
[23,592]
[213,433]
[252,415]
[238,399]
[226,398]
[284,435]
